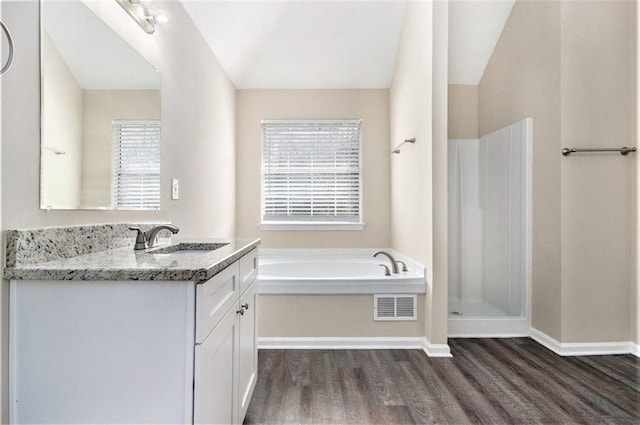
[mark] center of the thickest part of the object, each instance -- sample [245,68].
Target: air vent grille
[394,307]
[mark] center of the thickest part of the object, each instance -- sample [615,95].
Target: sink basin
[186,248]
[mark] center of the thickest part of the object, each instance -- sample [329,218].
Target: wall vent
[395,307]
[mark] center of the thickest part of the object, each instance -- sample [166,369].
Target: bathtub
[331,271]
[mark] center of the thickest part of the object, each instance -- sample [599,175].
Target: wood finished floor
[488,381]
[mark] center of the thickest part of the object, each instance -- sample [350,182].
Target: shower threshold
[477,319]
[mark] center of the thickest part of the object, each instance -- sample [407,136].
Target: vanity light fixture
[140,11]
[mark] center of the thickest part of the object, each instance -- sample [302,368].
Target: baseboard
[581,348]
[436,350]
[635,349]
[345,343]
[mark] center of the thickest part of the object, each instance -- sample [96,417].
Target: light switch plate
[175,189]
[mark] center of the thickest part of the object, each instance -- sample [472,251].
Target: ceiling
[98,58]
[319,44]
[474,29]
[303,44]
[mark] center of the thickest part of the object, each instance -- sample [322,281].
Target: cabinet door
[215,386]
[248,354]
[214,298]
[248,269]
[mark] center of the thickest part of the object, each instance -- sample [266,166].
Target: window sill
[292,225]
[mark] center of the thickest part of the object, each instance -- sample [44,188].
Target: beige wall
[463,111]
[62,116]
[318,315]
[418,173]
[569,65]
[101,107]
[437,297]
[597,194]
[635,293]
[522,79]
[198,135]
[330,316]
[372,106]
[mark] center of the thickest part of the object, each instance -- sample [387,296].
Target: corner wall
[570,66]
[462,112]
[522,79]
[418,174]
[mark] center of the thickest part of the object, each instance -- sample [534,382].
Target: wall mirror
[100,115]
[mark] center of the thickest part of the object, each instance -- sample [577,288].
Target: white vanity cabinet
[228,352]
[134,351]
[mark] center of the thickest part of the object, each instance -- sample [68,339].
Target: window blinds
[311,171]
[136,165]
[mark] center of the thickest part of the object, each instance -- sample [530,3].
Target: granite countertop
[127,264]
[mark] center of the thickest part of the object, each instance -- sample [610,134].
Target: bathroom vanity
[117,336]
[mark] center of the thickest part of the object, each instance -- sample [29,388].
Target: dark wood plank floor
[488,381]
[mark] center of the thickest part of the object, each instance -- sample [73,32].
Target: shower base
[483,320]
[463,309]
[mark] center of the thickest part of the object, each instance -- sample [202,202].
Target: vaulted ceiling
[315,44]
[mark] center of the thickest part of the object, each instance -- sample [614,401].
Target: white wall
[198,137]
[487,218]
[465,220]
[198,134]
[522,79]
[418,174]
[62,116]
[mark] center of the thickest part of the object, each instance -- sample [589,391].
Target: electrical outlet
[175,189]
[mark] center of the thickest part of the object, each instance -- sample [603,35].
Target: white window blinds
[311,171]
[136,165]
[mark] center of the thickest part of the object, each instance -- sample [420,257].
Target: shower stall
[490,233]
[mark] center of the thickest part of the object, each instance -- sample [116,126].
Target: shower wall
[488,220]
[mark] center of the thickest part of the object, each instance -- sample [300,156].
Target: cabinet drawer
[214,298]
[248,269]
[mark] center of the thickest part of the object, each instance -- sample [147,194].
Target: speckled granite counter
[121,263]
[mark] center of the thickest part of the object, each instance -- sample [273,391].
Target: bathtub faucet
[394,263]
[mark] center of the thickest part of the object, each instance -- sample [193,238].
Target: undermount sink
[185,248]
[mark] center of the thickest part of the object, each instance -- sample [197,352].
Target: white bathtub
[322,271]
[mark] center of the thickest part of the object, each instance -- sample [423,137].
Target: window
[136,165]
[311,175]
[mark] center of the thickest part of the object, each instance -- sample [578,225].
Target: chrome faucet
[149,239]
[394,263]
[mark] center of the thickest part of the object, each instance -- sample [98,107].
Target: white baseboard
[635,349]
[436,350]
[345,343]
[581,348]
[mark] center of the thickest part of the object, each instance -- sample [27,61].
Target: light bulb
[160,18]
